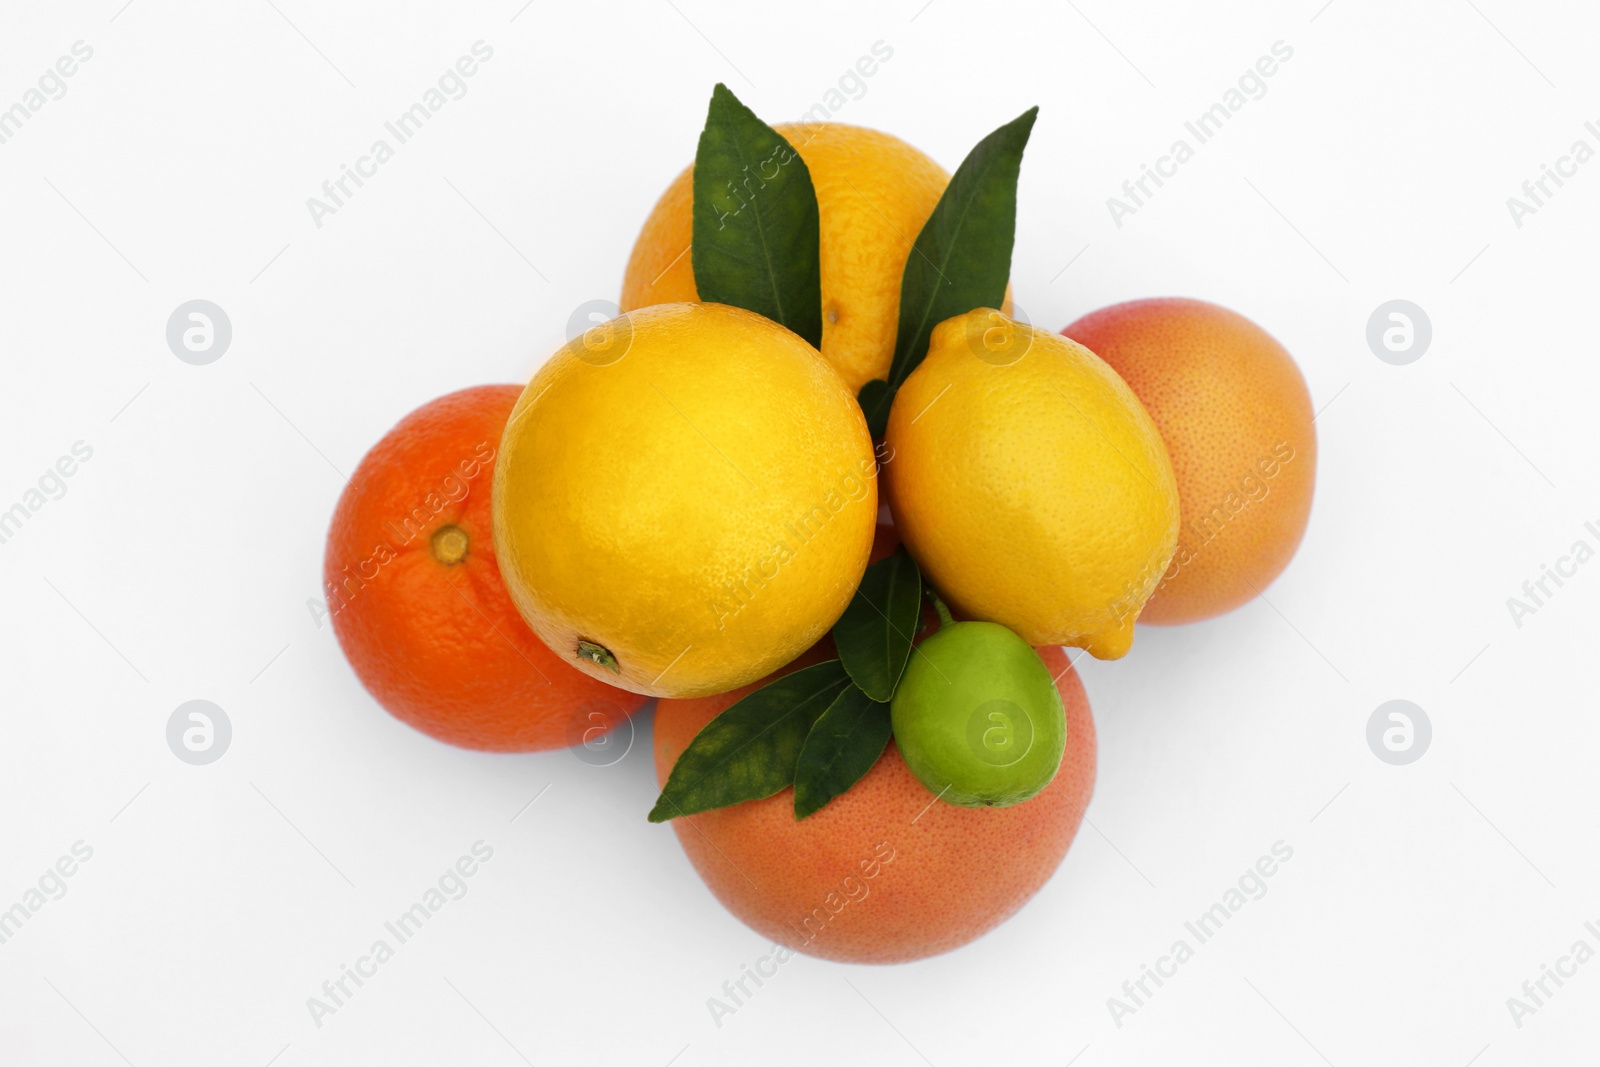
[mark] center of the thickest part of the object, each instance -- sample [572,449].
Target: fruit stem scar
[942,608]
[599,654]
[448,544]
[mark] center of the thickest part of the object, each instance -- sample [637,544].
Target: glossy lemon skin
[1030,484]
[689,489]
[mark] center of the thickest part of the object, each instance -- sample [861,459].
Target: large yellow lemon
[874,192]
[684,499]
[1030,484]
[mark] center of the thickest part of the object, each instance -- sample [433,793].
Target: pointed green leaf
[962,258]
[875,632]
[749,751]
[846,741]
[756,236]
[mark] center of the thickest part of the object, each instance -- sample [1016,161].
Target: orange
[885,873]
[416,598]
[1234,412]
[874,192]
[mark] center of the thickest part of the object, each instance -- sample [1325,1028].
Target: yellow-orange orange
[874,192]
[416,596]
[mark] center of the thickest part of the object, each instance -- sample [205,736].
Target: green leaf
[962,258]
[756,236]
[844,744]
[749,751]
[875,398]
[875,632]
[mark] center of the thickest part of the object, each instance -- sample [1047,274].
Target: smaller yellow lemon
[1030,484]
[685,499]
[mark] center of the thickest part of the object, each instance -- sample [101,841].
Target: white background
[180,561]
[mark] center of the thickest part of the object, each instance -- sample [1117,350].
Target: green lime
[977,716]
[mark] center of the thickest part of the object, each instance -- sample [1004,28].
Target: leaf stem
[941,607]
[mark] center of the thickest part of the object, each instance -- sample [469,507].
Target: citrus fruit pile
[816,490]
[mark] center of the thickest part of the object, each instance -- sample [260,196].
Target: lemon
[1030,484]
[684,500]
[874,192]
